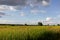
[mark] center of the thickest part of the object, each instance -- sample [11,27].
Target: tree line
[39,24]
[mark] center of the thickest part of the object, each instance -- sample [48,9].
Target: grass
[29,32]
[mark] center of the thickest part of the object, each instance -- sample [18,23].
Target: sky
[29,11]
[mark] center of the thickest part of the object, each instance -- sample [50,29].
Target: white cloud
[22,14]
[6,21]
[5,7]
[35,11]
[2,8]
[32,22]
[45,3]
[51,22]
[48,19]
[12,8]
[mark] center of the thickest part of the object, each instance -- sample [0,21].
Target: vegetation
[58,24]
[40,23]
[25,24]
[29,33]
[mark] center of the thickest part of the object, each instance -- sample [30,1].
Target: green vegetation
[40,24]
[29,33]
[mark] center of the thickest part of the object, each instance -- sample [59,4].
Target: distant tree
[47,24]
[40,23]
[25,24]
[12,25]
[58,24]
[53,25]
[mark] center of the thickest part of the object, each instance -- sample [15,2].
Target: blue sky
[29,11]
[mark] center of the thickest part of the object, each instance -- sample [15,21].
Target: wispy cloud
[6,21]
[22,14]
[36,11]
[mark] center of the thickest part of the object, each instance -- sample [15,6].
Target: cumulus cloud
[48,19]
[45,2]
[5,7]
[18,4]
[11,8]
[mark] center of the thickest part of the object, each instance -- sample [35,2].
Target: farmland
[29,32]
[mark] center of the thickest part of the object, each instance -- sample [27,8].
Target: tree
[58,24]
[40,23]
[25,24]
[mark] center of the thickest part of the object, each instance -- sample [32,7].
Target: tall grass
[29,33]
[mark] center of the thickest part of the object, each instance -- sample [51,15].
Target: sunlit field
[29,32]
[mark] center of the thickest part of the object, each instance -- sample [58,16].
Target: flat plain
[29,32]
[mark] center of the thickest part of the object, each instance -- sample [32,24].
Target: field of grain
[29,32]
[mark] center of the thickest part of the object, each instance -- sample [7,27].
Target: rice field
[29,32]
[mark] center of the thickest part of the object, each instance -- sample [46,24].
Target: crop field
[29,32]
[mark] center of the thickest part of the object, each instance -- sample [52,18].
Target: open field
[29,32]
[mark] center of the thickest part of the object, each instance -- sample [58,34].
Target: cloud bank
[18,4]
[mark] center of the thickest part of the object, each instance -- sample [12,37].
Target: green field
[29,32]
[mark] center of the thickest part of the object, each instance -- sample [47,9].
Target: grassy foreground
[29,32]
